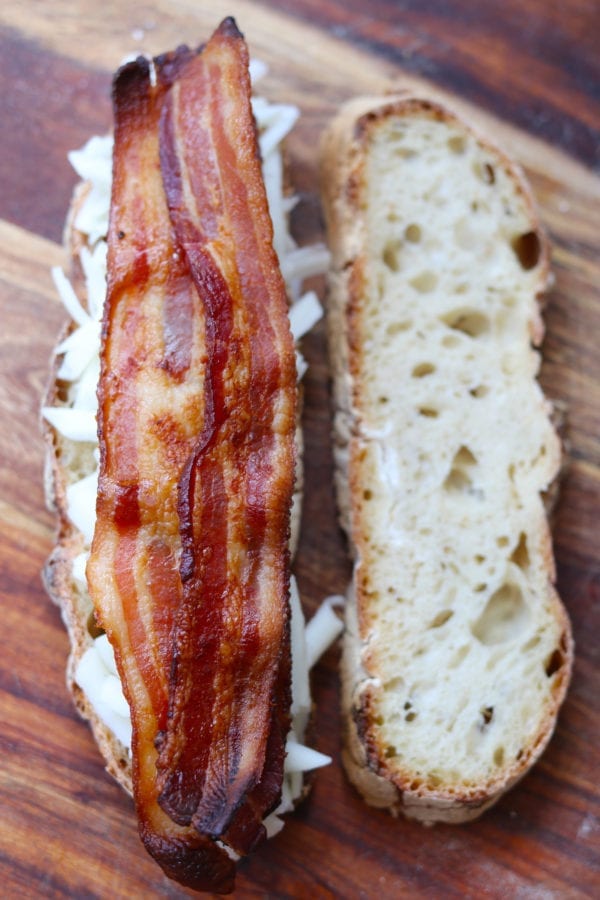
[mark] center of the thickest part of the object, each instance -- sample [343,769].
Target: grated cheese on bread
[458,650]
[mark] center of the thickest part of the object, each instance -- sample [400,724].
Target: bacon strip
[237,486]
[189,569]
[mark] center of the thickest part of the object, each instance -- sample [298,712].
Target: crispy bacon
[189,563]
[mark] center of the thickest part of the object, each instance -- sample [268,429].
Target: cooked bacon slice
[189,563]
[234,499]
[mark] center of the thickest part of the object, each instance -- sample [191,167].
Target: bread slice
[458,651]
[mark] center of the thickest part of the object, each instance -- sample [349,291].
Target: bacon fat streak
[189,570]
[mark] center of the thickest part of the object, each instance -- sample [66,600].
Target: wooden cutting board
[66,830]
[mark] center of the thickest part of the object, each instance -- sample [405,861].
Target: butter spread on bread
[458,650]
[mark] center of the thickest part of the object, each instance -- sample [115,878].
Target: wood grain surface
[530,74]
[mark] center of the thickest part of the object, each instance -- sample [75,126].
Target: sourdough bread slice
[458,651]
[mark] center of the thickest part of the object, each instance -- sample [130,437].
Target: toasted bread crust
[384,778]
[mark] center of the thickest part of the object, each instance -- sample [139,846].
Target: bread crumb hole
[413,233]
[410,716]
[554,662]
[441,618]
[498,756]
[485,172]
[505,616]
[469,321]
[480,391]
[424,282]
[459,656]
[405,152]
[527,248]
[391,255]
[479,588]
[429,412]
[457,482]
[464,457]
[458,479]
[390,751]
[457,144]
[394,685]
[520,555]
[384,400]
[367,494]
[397,327]
[502,541]
[487,714]
[422,370]
[450,341]
[434,780]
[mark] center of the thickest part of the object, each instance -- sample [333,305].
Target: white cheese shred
[304,314]
[74,424]
[68,296]
[323,629]
[81,504]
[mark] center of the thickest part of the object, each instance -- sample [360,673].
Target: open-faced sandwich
[174,459]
